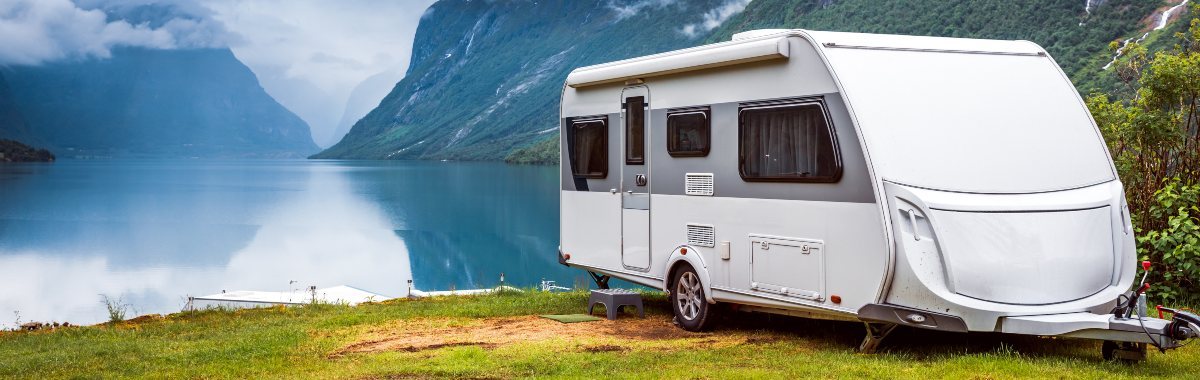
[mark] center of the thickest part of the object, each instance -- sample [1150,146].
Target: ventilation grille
[699,184]
[703,235]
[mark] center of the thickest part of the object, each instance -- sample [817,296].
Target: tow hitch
[1183,326]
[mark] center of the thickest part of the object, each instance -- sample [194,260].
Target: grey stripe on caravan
[667,174]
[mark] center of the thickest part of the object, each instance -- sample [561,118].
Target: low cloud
[715,17]
[627,9]
[37,31]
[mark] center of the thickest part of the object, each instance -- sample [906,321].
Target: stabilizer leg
[875,334]
[600,279]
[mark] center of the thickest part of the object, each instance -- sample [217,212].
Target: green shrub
[1176,247]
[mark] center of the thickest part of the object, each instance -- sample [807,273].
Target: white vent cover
[703,235]
[699,184]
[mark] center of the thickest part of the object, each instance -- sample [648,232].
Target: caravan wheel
[692,311]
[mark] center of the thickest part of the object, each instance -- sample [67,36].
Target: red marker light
[1145,265]
[1145,286]
[567,256]
[683,251]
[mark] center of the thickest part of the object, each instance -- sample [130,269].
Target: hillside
[12,123]
[486,77]
[187,101]
[193,102]
[1077,38]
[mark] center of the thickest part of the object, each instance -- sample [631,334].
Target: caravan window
[688,133]
[788,143]
[635,130]
[589,153]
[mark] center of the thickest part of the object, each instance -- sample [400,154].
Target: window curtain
[788,142]
[589,149]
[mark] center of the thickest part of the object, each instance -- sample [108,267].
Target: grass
[309,341]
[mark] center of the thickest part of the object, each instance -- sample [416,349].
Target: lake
[153,232]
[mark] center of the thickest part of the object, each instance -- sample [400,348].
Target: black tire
[692,311]
[1109,351]
[1107,348]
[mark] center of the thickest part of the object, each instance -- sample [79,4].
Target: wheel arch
[678,259]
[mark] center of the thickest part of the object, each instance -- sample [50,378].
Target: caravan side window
[589,153]
[635,130]
[688,133]
[788,143]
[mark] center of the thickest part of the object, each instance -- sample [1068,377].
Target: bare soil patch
[494,332]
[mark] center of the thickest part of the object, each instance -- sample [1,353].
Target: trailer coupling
[1183,325]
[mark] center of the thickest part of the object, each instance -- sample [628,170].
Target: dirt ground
[494,332]
[656,330]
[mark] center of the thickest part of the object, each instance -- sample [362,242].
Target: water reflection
[324,236]
[153,232]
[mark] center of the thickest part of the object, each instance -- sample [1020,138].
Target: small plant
[117,308]
[1006,349]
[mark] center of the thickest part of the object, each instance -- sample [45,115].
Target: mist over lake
[153,232]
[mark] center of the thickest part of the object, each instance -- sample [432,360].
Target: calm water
[153,232]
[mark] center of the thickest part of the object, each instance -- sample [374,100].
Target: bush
[1176,247]
[116,308]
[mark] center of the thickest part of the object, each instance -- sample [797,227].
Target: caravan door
[635,179]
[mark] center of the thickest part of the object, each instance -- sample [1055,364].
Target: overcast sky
[308,54]
[311,54]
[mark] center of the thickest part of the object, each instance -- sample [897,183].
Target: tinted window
[635,130]
[788,143]
[688,133]
[589,149]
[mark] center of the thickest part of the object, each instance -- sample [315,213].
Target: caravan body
[941,183]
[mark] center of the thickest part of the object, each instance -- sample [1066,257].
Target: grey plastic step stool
[613,299]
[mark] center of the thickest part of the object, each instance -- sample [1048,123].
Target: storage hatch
[791,267]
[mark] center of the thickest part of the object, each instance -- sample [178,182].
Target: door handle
[640,179]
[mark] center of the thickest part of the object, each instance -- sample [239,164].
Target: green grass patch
[306,342]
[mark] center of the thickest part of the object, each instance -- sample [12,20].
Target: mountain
[486,76]
[364,98]
[12,123]
[190,102]
[196,99]
[1076,33]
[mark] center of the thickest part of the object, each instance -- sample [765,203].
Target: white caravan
[939,183]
